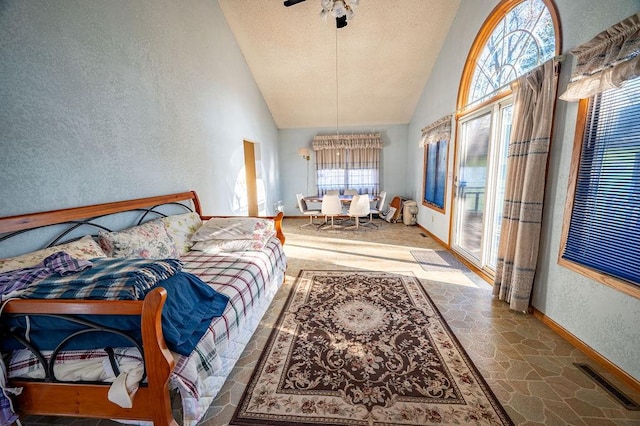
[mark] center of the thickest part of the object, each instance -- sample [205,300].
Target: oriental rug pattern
[364,348]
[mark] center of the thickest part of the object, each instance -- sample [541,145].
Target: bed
[247,278]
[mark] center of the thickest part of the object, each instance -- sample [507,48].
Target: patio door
[479,183]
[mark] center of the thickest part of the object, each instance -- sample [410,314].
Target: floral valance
[347,141]
[437,131]
[607,61]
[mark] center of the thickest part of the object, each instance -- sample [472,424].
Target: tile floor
[528,366]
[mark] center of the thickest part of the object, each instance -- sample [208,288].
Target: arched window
[517,36]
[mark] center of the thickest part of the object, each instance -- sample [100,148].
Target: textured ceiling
[384,57]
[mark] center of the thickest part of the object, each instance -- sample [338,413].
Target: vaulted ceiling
[383,58]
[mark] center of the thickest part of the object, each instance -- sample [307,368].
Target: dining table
[344,199]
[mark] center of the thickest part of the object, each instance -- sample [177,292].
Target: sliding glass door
[479,183]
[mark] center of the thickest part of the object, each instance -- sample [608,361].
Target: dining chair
[331,207]
[305,210]
[333,192]
[377,209]
[350,192]
[358,208]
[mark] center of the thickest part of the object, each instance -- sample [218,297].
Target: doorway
[251,178]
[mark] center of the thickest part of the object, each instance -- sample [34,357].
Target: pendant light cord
[337,96]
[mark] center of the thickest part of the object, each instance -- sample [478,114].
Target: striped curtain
[348,161]
[533,107]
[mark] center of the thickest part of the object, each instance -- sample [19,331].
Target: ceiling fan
[342,11]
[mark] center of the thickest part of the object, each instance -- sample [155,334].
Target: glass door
[471,182]
[479,184]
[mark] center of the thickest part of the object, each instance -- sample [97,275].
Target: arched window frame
[489,26]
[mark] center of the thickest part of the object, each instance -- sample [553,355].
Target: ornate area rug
[364,348]
[437,260]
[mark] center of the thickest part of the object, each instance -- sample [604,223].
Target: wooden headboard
[74,219]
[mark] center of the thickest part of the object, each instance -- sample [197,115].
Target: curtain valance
[607,61]
[347,141]
[437,131]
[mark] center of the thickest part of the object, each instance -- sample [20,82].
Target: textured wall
[601,317]
[109,100]
[393,170]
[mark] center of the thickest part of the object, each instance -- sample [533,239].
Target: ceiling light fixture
[342,10]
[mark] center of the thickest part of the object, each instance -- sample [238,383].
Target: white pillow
[85,248]
[180,228]
[233,228]
[149,240]
[217,246]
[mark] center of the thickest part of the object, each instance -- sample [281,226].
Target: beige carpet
[364,348]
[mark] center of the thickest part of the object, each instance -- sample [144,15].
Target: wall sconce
[304,153]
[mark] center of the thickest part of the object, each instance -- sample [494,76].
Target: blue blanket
[107,279]
[190,307]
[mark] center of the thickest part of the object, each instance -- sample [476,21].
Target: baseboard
[436,239]
[588,351]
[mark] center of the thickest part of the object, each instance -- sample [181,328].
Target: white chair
[351,193]
[377,209]
[331,207]
[302,205]
[358,208]
[333,192]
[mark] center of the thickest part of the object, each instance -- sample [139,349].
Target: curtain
[607,61]
[348,161]
[436,131]
[533,106]
[322,142]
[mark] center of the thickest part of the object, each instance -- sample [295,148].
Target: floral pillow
[233,228]
[85,249]
[217,246]
[149,240]
[180,228]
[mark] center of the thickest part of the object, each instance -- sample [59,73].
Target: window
[351,176]
[435,140]
[436,174]
[348,161]
[603,234]
[523,39]
[518,36]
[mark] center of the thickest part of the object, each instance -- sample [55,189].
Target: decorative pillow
[85,249]
[180,228]
[217,246]
[233,228]
[149,240]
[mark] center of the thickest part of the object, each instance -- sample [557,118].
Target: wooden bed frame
[152,401]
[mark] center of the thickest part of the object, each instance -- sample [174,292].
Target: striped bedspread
[245,277]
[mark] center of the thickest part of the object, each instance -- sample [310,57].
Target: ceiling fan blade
[292,2]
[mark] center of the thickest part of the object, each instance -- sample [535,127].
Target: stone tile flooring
[528,366]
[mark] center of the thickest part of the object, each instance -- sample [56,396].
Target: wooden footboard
[152,400]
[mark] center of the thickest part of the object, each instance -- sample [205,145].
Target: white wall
[104,101]
[438,100]
[601,317]
[393,170]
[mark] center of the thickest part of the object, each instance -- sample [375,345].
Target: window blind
[435,173]
[604,233]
